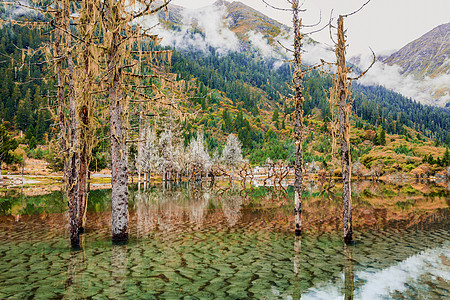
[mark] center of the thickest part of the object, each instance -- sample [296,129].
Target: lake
[196,242]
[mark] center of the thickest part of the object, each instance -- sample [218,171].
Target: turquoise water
[201,244]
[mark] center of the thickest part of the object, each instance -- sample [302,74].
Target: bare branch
[348,15]
[314,25]
[325,26]
[285,48]
[363,73]
[148,10]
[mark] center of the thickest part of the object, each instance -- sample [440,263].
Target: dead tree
[345,108]
[112,24]
[232,155]
[297,87]
[120,37]
[281,172]
[61,53]
[245,172]
[298,118]
[341,97]
[85,103]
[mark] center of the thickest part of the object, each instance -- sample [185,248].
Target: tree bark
[117,113]
[298,119]
[85,114]
[345,108]
[62,20]
[83,169]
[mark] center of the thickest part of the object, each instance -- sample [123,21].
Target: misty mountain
[231,27]
[428,55]
[236,27]
[428,59]
[239,78]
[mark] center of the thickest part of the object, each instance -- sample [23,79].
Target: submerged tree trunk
[66,134]
[345,108]
[83,169]
[298,119]
[72,178]
[85,113]
[117,113]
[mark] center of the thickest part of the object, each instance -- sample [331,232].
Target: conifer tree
[7,145]
[23,116]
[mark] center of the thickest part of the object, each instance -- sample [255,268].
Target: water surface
[199,243]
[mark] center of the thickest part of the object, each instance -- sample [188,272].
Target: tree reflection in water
[119,267]
[348,272]
[76,264]
[231,206]
[191,247]
[297,267]
[167,209]
[199,204]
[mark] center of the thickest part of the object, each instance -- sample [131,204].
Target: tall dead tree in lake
[341,97]
[119,39]
[297,81]
[85,103]
[74,106]
[345,108]
[297,87]
[73,159]
[59,55]
[62,47]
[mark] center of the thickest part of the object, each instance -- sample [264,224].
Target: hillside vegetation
[244,94]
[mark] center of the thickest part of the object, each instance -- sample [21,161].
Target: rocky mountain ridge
[428,55]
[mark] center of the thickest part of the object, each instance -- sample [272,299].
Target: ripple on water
[239,257]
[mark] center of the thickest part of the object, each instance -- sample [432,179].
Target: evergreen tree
[380,136]
[37,100]
[275,115]
[23,117]
[12,102]
[446,158]
[7,145]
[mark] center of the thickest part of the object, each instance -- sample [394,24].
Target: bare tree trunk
[83,170]
[119,155]
[85,115]
[298,120]
[345,108]
[62,21]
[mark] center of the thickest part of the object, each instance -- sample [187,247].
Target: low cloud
[210,21]
[260,43]
[431,91]
[18,9]
[315,52]
[312,54]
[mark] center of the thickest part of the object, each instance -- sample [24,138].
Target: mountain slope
[428,55]
[236,16]
[426,61]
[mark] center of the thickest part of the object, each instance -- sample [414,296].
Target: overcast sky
[383,25]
